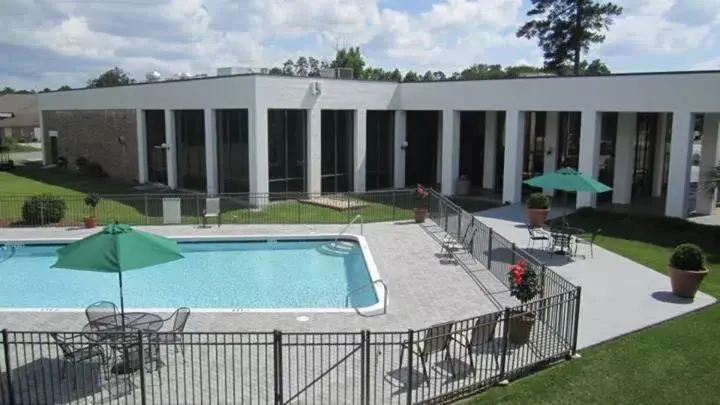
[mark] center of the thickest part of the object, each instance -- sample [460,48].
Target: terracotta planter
[90,222]
[537,217]
[686,283]
[420,214]
[520,326]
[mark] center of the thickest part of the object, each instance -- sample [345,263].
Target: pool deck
[618,297]
[424,289]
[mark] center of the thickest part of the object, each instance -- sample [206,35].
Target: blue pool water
[257,274]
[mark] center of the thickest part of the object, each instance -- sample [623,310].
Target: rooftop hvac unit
[152,76]
[184,75]
[337,73]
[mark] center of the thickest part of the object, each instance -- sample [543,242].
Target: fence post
[543,269]
[197,209]
[143,401]
[277,354]
[364,374]
[410,345]
[147,214]
[6,350]
[490,248]
[512,250]
[576,324]
[393,204]
[505,340]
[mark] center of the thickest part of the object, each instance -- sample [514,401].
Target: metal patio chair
[591,242]
[449,245]
[173,336]
[212,210]
[106,311]
[436,339]
[537,236]
[76,351]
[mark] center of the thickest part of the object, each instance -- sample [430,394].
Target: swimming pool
[242,274]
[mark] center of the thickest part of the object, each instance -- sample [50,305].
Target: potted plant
[687,270]
[420,206]
[91,201]
[524,285]
[463,187]
[538,207]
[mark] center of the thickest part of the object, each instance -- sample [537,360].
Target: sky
[49,43]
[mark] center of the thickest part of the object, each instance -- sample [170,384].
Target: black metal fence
[185,208]
[438,364]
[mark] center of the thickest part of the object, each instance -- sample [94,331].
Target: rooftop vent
[152,77]
[241,70]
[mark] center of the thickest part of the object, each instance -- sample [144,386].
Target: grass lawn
[669,364]
[21,147]
[145,208]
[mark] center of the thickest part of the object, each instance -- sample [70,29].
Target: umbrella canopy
[115,249]
[568,179]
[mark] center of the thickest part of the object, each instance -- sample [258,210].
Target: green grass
[669,364]
[145,208]
[21,147]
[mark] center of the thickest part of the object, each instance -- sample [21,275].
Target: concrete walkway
[619,296]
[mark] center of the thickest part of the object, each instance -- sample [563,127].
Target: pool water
[250,274]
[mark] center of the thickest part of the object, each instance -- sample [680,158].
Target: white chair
[212,210]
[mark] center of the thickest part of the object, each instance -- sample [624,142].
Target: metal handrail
[385,298]
[362,223]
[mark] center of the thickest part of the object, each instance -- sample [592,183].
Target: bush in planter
[43,209]
[538,201]
[92,200]
[420,196]
[687,257]
[524,285]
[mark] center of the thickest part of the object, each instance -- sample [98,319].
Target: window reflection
[190,139]
[232,153]
[379,160]
[286,150]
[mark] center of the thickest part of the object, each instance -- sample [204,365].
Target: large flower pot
[420,214]
[686,283]
[537,217]
[90,222]
[520,326]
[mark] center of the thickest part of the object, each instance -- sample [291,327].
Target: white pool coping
[377,283]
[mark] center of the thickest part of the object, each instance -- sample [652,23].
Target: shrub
[81,161]
[538,201]
[92,200]
[43,209]
[687,257]
[524,282]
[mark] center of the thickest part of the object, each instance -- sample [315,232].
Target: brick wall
[95,135]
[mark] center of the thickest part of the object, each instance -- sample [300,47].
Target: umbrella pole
[122,302]
[564,209]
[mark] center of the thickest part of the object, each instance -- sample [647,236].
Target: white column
[258,165]
[660,142]
[552,118]
[399,150]
[45,141]
[514,148]
[141,146]
[314,151]
[490,149]
[624,154]
[170,149]
[590,126]
[450,166]
[211,148]
[706,198]
[359,150]
[681,140]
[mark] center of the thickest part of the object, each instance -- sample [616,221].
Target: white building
[257,133]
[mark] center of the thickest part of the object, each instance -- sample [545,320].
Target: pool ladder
[7,251]
[362,223]
[385,297]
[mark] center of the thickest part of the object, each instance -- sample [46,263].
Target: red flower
[517,272]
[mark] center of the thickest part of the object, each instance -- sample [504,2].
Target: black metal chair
[102,310]
[591,242]
[173,336]
[436,339]
[536,236]
[75,352]
[479,337]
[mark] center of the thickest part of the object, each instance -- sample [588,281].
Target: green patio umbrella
[115,249]
[568,179]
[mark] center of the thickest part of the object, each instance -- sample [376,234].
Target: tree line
[564,31]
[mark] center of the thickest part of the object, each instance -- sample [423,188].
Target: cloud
[56,42]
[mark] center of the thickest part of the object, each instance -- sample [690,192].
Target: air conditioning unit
[316,88]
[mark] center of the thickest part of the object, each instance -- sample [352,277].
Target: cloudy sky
[48,43]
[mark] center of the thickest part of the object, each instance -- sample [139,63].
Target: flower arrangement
[420,196]
[524,282]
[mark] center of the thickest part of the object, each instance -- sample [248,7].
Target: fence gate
[321,368]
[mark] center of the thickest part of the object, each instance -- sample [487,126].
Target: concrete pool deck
[423,288]
[618,297]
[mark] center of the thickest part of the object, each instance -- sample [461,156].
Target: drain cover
[302,318]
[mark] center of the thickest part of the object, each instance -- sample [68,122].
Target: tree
[411,76]
[45,90]
[566,28]
[111,78]
[302,67]
[439,75]
[428,76]
[597,68]
[288,68]
[349,58]
[64,87]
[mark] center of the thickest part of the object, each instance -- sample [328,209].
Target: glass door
[644,155]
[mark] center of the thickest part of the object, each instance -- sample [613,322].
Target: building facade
[262,134]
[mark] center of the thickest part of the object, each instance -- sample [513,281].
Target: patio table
[108,330]
[562,237]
